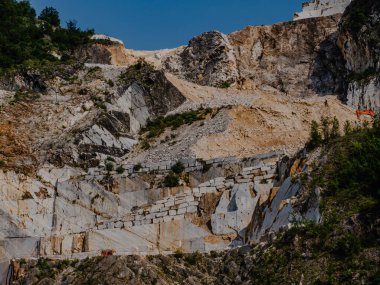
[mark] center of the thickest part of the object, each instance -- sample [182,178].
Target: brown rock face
[297,58]
[281,56]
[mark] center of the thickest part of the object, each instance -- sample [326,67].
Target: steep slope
[359,41]
[342,249]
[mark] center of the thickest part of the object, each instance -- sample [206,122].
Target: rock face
[208,60]
[267,57]
[66,214]
[358,39]
[264,58]
[321,8]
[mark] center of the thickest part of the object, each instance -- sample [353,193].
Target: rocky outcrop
[359,41]
[146,93]
[94,53]
[265,58]
[209,59]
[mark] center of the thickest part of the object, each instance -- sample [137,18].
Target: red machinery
[365,112]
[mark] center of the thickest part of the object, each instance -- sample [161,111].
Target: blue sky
[156,24]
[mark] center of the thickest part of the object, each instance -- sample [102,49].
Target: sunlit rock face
[321,8]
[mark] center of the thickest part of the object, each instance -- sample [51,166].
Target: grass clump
[120,169]
[171,180]
[178,168]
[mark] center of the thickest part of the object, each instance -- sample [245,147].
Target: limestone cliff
[360,44]
[287,57]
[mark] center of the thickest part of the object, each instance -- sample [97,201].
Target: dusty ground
[271,124]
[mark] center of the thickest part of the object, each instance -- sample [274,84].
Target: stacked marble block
[322,8]
[259,178]
[189,164]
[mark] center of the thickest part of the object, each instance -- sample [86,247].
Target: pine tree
[315,139]
[335,129]
[51,16]
[347,128]
[325,122]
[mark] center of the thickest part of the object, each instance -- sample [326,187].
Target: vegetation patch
[26,38]
[25,96]
[157,127]
[171,180]
[363,76]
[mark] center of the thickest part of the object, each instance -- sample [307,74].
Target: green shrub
[109,166]
[193,258]
[347,245]
[171,180]
[120,169]
[178,168]
[178,254]
[225,84]
[111,83]
[137,167]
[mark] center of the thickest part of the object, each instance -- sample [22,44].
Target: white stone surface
[322,8]
[104,37]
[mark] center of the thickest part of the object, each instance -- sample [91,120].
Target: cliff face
[287,57]
[359,41]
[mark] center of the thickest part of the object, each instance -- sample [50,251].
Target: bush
[137,167]
[178,254]
[225,85]
[109,166]
[120,169]
[111,83]
[347,246]
[171,180]
[178,168]
[110,158]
